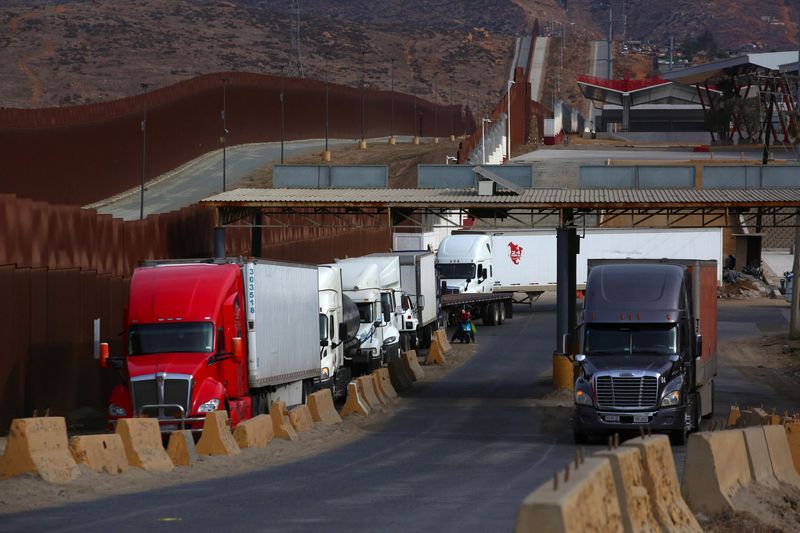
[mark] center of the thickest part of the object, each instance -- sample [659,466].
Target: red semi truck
[216,334]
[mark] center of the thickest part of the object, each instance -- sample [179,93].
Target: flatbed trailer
[492,307]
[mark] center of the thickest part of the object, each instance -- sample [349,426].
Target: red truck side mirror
[103,355]
[237,349]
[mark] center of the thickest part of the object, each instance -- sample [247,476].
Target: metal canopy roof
[528,199]
[715,69]
[640,92]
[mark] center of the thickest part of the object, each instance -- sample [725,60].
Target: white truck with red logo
[524,262]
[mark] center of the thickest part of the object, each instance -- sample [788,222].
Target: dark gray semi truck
[648,347]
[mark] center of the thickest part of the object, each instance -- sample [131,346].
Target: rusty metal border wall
[62,266]
[82,154]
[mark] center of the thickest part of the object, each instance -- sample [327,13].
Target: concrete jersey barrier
[412,365]
[281,423]
[717,467]
[384,383]
[367,392]
[255,432]
[354,404]
[39,446]
[661,481]
[793,438]
[780,456]
[400,375]
[322,409]
[181,448]
[301,418]
[101,453]
[217,438]
[638,513]
[761,471]
[586,502]
[143,447]
[435,353]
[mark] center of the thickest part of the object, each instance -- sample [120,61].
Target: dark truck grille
[626,392]
[176,391]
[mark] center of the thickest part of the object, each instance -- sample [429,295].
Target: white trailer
[282,323]
[525,260]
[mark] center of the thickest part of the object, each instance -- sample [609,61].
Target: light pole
[484,121]
[415,139]
[363,144]
[452,121]
[391,137]
[508,120]
[143,127]
[283,108]
[327,155]
[435,112]
[224,130]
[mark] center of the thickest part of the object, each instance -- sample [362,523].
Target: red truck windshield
[645,340]
[171,337]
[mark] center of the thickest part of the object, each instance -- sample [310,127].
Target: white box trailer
[282,324]
[525,260]
[418,280]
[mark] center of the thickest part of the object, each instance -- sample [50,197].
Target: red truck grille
[149,392]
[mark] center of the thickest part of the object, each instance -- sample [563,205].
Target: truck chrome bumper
[168,424]
[587,419]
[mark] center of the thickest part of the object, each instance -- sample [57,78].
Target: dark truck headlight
[583,392]
[672,393]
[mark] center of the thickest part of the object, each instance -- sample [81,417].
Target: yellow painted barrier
[322,409]
[563,372]
[661,481]
[39,446]
[412,365]
[384,383]
[717,467]
[733,416]
[354,404]
[366,390]
[761,471]
[638,513]
[435,353]
[101,453]
[301,419]
[281,423]
[181,448]
[255,432]
[780,456]
[585,502]
[217,438]
[141,438]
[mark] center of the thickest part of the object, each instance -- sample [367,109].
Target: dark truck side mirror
[698,345]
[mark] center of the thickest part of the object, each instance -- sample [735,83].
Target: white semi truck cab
[464,263]
[371,286]
[338,327]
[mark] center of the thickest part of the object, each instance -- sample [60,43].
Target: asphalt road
[202,177]
[459,456]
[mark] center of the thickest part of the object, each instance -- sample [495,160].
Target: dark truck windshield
[456,270]
[645,340]
[171,337]
[365,313]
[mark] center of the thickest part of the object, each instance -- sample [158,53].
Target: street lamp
[283,108]
[224,130]
[435,112]
[484,121]
[363,144]
[143,127]
[415,139]
[508,120]
[391,137]
[452,121]
[327,155]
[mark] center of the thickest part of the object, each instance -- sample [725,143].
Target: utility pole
[452,121]
[143,126]
[794,318]
[435,112]
[508,120]
[415,139]
[224,130]
[671,51]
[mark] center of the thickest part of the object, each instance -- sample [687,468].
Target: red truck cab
[185,333]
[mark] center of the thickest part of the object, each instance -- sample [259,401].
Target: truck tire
[427,335]
[495,314]
[501,309]
[486,314]
[509,307]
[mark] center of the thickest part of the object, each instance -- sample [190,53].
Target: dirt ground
[402,159]
[28,492]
